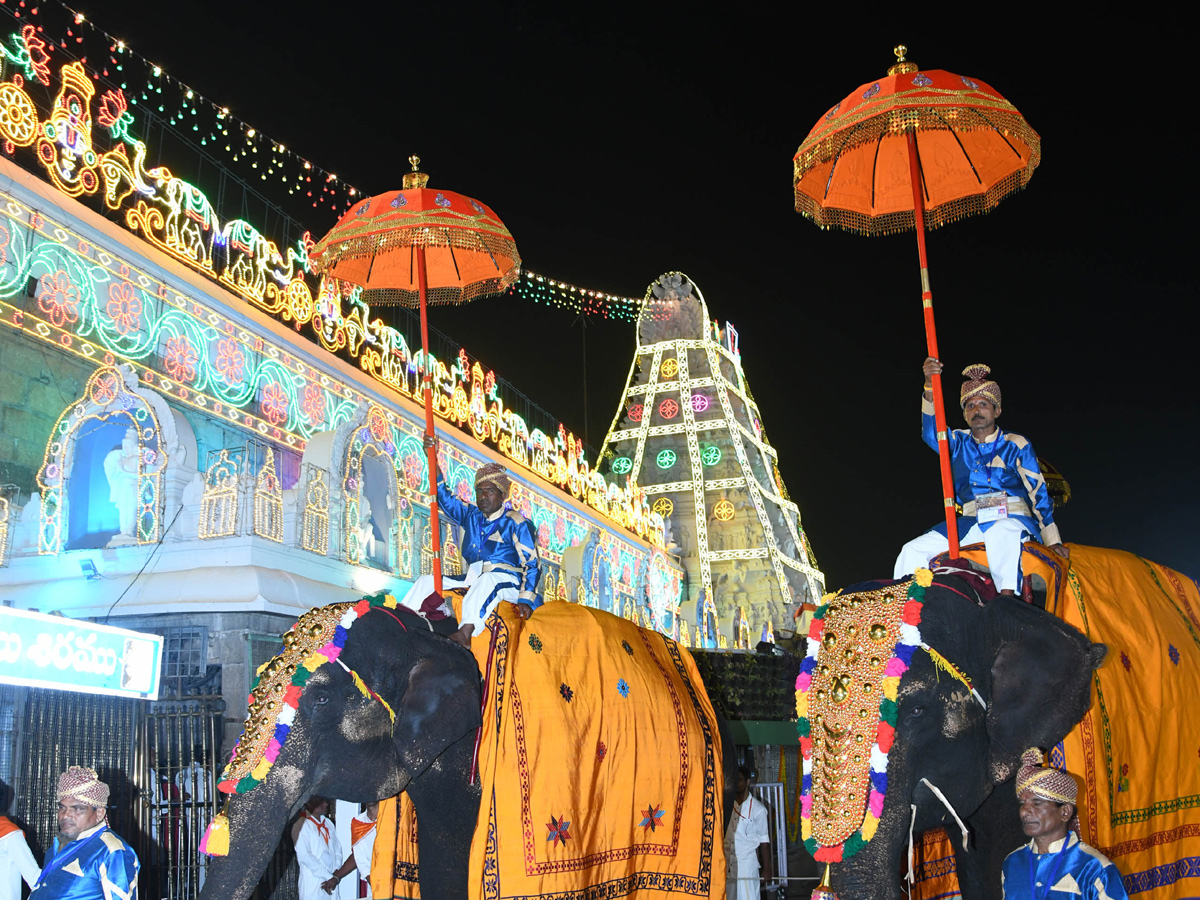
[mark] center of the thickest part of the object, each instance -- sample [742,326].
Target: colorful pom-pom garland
[897,665]
[282,725]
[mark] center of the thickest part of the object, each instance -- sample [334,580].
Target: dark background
[618,143]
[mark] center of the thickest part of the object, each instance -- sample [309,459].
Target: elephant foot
[463,635]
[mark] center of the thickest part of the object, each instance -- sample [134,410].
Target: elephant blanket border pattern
[844,786]
[317,638]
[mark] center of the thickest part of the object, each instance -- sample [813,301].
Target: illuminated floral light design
[59,299]
[668,409]
[124,307]
[313,403]
[274,403]
[230,361]
[666,459]
[181,359]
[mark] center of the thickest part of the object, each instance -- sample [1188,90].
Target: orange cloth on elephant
[607,768]
[1135,750]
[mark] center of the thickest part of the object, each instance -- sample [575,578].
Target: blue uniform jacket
[506,539]
[95,866]
[1005,463]
[1071,870]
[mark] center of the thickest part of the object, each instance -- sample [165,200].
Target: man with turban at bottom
[996,479]
[87,861]
[499,547]
[1055,863]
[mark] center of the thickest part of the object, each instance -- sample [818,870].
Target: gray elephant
[365,701]
[957,691]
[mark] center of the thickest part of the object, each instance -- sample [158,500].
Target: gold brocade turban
[83,784]
[493,473]
[1049,784]
[978,383]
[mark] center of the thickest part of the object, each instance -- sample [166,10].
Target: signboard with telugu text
[37,650]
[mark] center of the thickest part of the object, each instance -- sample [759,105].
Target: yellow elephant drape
[1136,753]
[600,764]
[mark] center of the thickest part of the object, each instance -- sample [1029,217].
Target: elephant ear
[440,706]
[1041,682]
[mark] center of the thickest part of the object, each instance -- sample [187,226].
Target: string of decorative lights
[147,87]
[585,301]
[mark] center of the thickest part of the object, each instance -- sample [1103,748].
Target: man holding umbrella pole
[997,481]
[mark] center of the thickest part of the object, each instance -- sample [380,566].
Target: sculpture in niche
[121,468]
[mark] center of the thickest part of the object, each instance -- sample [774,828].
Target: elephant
[394,706]
[985,683]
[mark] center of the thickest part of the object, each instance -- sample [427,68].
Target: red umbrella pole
[435,539]
[939,412]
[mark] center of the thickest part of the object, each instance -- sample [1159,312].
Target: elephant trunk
[256,822]
[862,876]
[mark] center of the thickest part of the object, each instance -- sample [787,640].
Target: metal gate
[159,760]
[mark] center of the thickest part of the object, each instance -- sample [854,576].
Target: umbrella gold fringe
[893,223]
[440,296]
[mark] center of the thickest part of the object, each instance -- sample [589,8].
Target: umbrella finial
[415,178]
[902,66]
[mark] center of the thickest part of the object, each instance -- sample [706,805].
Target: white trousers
[484,591]
[1002,541]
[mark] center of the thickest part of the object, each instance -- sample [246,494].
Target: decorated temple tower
[689,433]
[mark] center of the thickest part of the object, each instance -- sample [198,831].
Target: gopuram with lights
[201,439]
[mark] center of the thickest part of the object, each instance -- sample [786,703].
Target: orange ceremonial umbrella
[414,247]
[915,150]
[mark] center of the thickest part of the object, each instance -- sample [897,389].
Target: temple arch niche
[115,460]
[366,449]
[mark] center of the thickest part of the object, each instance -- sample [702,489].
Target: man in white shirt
[16,862]
[318,851]
[747,844]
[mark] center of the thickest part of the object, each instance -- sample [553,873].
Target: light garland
[584,301]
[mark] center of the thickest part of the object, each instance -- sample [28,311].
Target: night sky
[618,143]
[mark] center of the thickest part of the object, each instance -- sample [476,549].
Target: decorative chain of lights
[585,301]
[143,85]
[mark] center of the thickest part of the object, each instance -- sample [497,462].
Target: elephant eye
[916,711]
[322,698]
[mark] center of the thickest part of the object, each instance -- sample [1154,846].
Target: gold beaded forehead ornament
[317,638]
[859,645]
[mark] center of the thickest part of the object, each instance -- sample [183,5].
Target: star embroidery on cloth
[566,692]
[652,817]
[558,830]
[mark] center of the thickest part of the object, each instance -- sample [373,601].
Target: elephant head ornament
[339,718]
[915,703]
